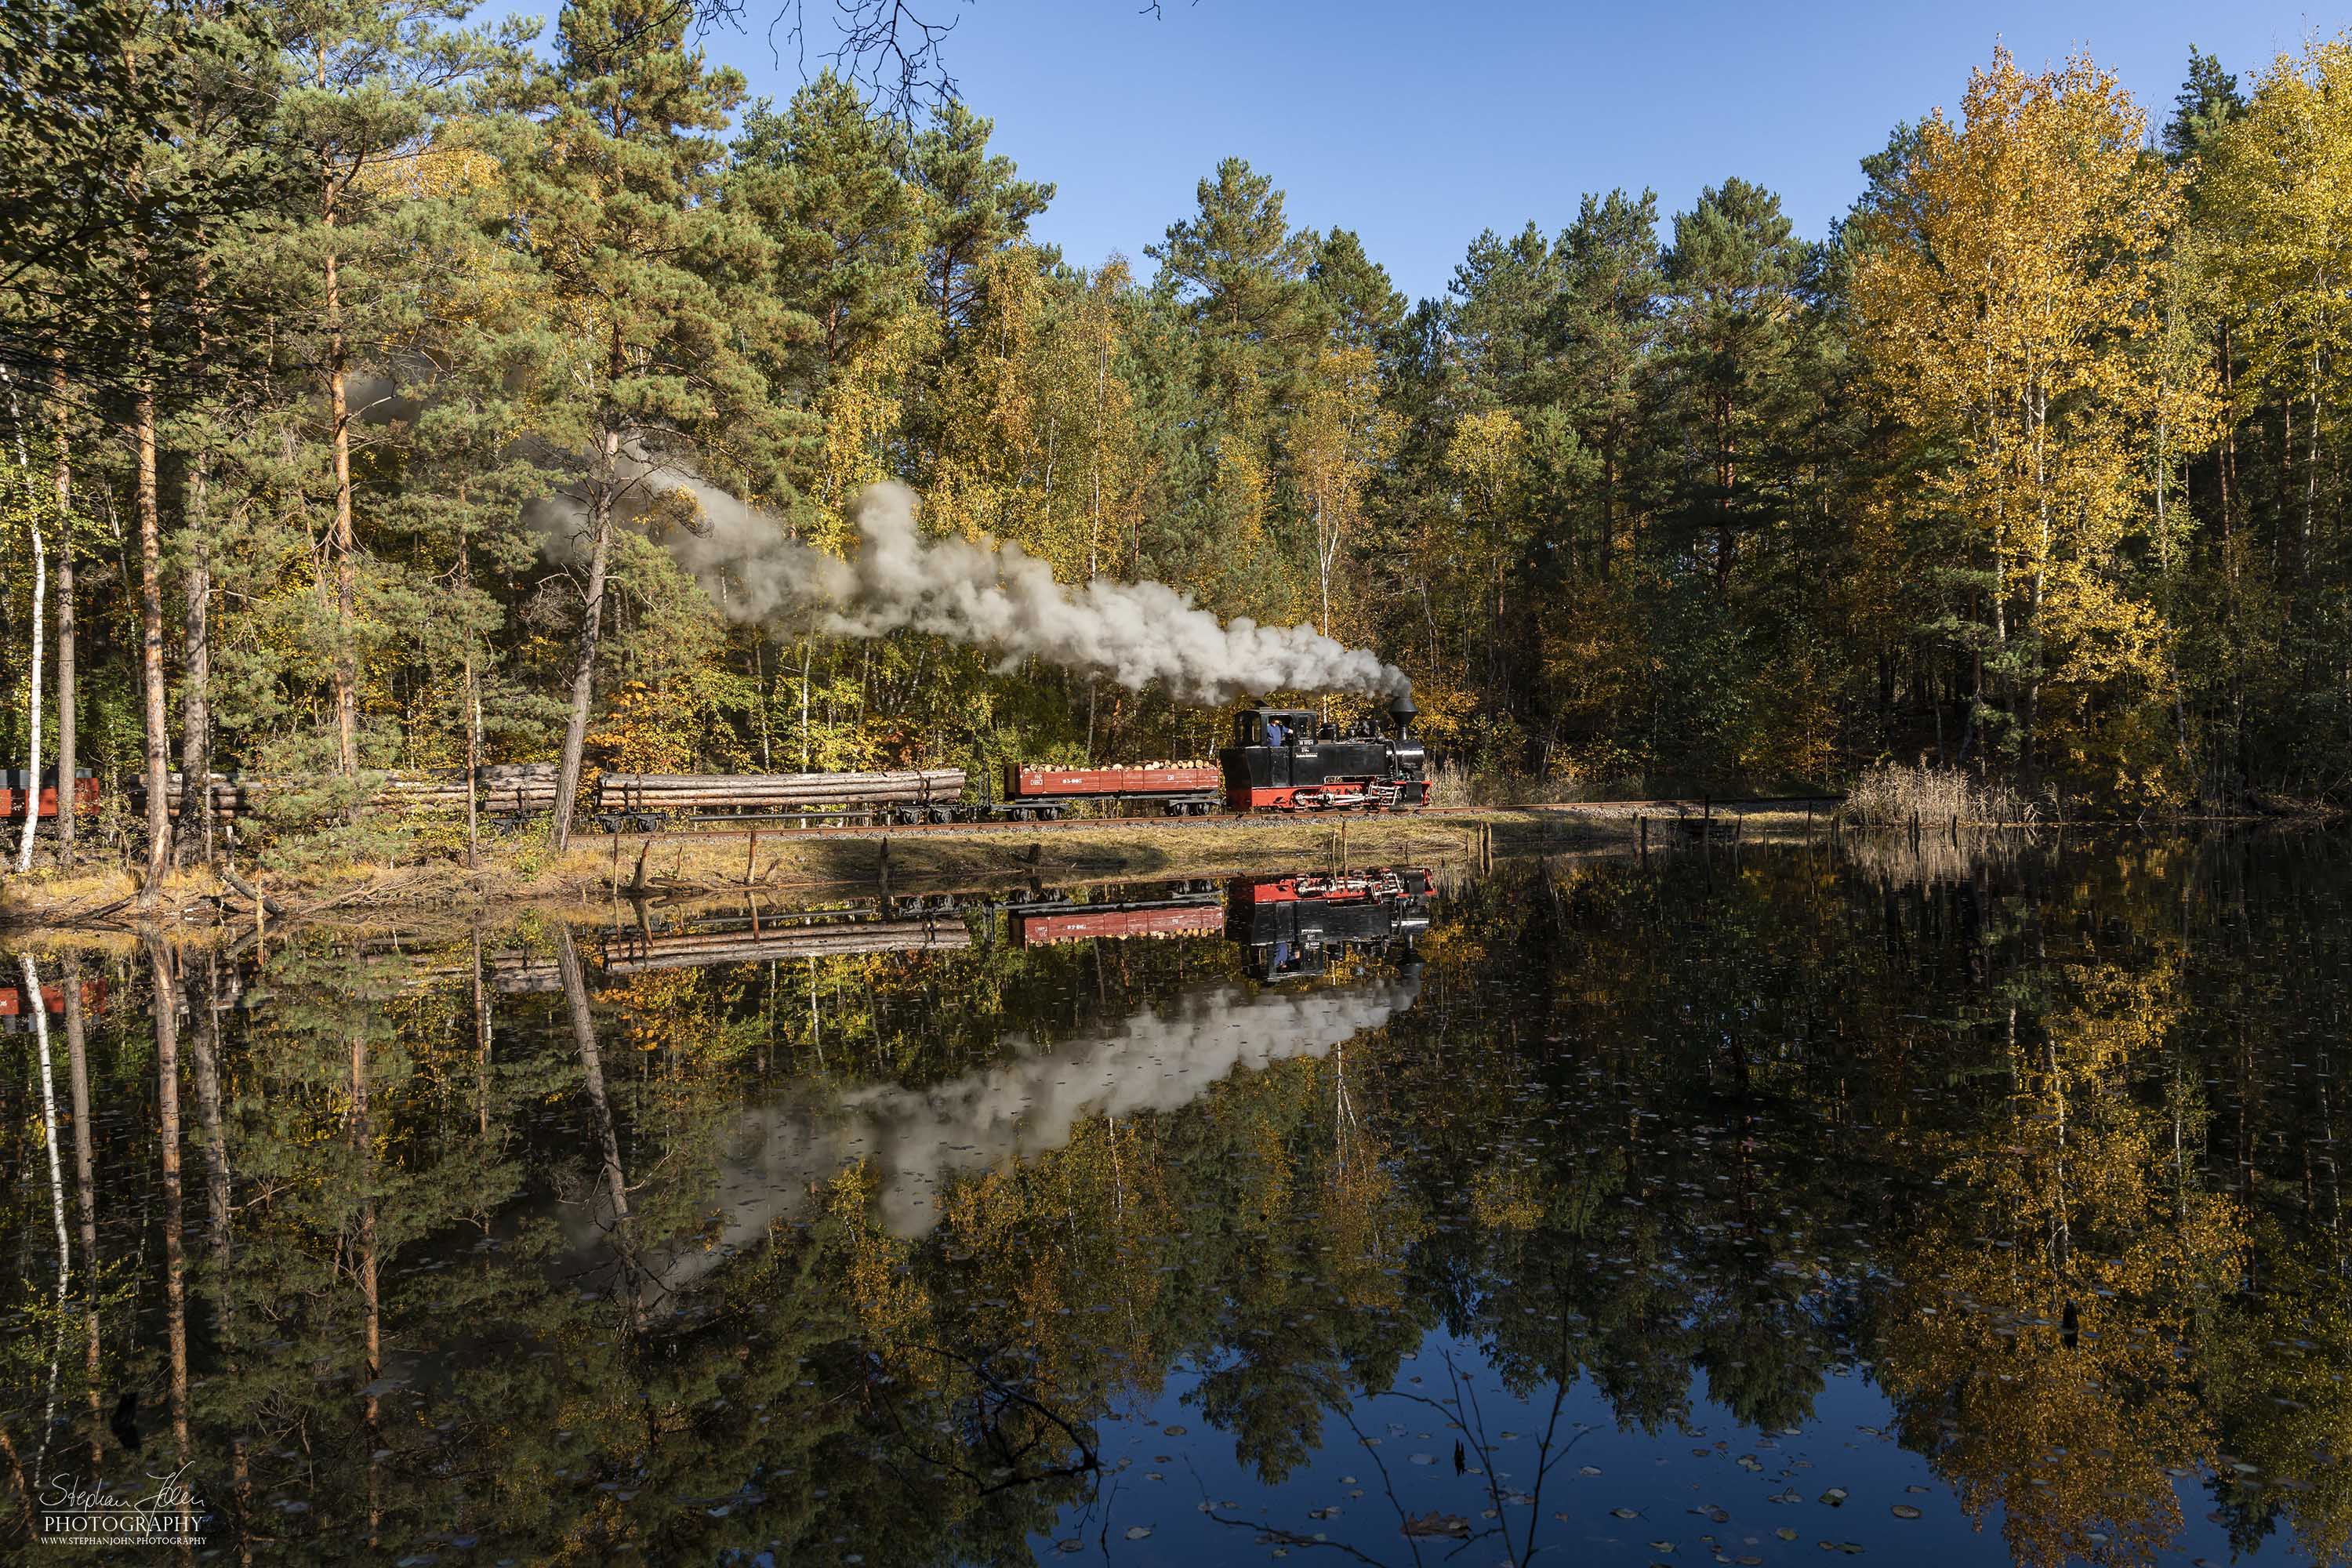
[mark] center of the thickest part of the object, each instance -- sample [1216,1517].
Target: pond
[1730,1205]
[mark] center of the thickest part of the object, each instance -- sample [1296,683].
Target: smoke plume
[918,1142]
[988,595]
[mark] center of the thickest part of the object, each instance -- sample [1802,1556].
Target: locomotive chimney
[1401,713]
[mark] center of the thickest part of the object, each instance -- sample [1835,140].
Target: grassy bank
[598,866]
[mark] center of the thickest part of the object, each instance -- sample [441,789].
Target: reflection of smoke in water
[917,1141]
[987,595]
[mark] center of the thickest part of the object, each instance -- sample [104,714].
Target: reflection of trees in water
[1764,1121]
[2067,1258]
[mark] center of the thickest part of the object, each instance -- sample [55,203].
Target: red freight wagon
[1034,928]
[16,788]
[1179,789]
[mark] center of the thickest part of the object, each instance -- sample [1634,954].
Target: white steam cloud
[919,1141]
[985,594]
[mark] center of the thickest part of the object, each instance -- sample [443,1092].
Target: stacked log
[506,787]
[516,788]
[229,797]
[776,792]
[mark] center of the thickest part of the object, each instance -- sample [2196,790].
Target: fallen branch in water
[250,891]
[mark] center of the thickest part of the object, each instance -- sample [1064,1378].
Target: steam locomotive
[1287,759]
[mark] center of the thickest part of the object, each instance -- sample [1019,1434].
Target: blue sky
[1417,125]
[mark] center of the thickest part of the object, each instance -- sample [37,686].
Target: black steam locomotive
[1287,759]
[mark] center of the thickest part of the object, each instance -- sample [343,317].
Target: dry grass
[1890,797]
[1455,784]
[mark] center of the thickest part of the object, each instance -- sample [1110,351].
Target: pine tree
[1736,329]
[649,281]
[1236,273]
[845,229]
[2209,100]
[978,206]
[368,84]
[1606,322]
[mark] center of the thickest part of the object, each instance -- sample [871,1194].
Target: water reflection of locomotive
[1294,760]
[1293,926]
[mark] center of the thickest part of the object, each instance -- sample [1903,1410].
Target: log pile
[516,789]
[694,792]
[229,797]
[504,788]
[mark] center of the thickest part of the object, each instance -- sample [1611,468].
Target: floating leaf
[1437,1524]
[1905,1510]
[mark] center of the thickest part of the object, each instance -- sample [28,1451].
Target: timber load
[505,790]
[912,794]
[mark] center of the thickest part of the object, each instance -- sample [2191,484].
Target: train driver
[1276,732]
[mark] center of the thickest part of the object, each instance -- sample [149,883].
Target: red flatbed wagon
[1178,789]
[15,790]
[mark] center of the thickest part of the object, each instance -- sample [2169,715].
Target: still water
[1730,1208]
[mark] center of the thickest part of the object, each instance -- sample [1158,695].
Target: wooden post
[1642,825]
[750,854]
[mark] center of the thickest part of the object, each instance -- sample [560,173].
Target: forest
[340,339]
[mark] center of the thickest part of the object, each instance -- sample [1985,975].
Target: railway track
[1625,808]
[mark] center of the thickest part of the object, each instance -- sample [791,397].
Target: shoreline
[521,873]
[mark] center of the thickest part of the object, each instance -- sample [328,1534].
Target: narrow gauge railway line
[1626,808]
